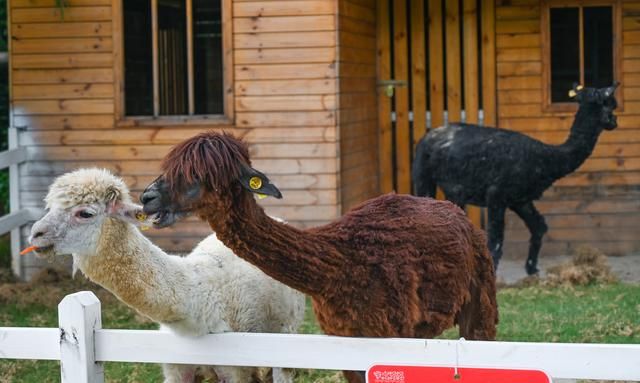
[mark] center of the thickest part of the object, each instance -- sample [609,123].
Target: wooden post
[401,73]
[454,74]
[489,93]
[384,102]
[78,318]
[155,58]
[419,72]
[14,207]
[470,46]
[436,65]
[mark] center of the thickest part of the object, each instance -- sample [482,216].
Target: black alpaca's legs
[425,187]
[495,233]
[537,227]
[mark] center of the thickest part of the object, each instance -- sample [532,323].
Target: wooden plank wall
[285,86]
[599,204]
[358,114]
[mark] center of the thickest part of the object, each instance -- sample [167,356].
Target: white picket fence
[82,346]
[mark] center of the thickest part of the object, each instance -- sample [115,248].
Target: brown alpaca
[395,266]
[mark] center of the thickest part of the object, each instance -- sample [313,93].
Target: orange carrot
[28,250]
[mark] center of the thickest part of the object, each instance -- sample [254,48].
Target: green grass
[603,313]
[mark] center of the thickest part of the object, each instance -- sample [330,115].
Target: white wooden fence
[82,345]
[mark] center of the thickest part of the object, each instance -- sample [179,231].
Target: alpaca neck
[137,272]
[297,258]
[584,134]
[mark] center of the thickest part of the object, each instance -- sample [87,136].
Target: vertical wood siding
[358,116]
[285,86]
[598,204]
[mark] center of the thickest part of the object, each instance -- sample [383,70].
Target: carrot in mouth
[28,250]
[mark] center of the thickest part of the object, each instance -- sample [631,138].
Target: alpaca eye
[84,214]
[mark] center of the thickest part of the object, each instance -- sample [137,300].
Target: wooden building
[330,94]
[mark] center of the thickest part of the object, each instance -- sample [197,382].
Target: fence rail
[15,219]
[82,345]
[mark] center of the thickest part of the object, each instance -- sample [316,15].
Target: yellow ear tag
[255,183]
[261,196]
[572,93]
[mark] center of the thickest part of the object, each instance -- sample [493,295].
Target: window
[579,48]
[174,58]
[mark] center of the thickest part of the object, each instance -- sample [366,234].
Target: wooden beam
[401,73]
[228,62]
[154,57]
[454,73]
[489,94]
[190,67]
[471,81]
[418,70]
[384,102]
[436,65]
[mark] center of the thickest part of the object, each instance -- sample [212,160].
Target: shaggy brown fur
[395,266]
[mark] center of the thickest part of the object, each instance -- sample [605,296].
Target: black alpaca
[503,169]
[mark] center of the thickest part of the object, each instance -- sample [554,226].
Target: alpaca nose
[38,230]
[149,196]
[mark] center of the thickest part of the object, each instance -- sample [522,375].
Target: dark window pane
[598,46]
[138,69]
[172,57]
[207,57]
[565,52]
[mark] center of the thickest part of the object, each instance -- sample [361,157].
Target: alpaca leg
[537,227]
[283,375]
[496,233]
[179,373]
[425,187]
[228,374]
[479,316]
[354,376]
[421,175]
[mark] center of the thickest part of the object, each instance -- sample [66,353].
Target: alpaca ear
[128,212]
[576,90]
[256,182]
[608,92]
[112,194]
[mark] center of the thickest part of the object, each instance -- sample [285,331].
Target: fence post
[78,318]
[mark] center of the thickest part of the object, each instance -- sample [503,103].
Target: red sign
[419,374]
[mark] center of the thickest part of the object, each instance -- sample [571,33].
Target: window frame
[571,107]
[224,119]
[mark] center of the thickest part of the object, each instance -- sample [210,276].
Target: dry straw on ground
[587,266]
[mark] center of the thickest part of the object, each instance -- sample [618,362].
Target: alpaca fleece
[502,169]
[395,266]
[209,291]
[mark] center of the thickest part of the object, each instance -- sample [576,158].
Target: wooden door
[436,63]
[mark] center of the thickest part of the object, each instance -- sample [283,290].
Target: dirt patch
[6,275]
[47,288]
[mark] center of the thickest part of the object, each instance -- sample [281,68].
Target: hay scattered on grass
[587,266]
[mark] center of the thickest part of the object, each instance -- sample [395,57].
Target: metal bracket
[390,86]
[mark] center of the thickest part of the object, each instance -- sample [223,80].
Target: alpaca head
[208,171]
[602,99]
[78,203]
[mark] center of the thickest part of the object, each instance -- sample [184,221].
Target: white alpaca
[209,291]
